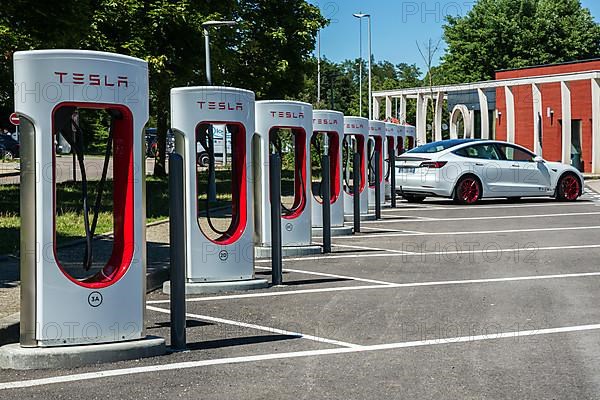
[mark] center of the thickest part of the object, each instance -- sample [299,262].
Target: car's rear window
[436,147]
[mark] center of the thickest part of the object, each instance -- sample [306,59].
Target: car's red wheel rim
[468,190]
[570,187]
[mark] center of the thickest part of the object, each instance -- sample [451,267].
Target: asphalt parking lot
[497,300]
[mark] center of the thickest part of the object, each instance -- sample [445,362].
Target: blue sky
[396,26]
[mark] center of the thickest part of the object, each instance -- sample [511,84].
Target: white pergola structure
[440,93]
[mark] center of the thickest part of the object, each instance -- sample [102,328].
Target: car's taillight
[433,164]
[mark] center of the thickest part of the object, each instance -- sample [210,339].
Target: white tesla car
[467,170]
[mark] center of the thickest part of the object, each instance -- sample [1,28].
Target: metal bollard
[275,191]
[356,191]
[326,195]
[377,186]
[177,253]
[393,179]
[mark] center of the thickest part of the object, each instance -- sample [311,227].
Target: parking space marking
[350,278]
[400,234]
[433,253]
[390,286]
[400,218]
[438,207]
[290,355]
[367,248]
[299,335]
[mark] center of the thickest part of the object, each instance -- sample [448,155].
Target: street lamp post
[205,27]
[360,16]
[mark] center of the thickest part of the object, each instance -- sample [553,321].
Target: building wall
[581,108]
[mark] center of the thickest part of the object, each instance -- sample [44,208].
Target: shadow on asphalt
[219,344]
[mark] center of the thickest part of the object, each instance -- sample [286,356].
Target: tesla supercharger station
[410,133]
[284,127]
[401,140]
[328,130]
[356,135]
[393,137]
[376,143]
[219,233]
[58,309]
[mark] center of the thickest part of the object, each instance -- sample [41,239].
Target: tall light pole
[205,27]
[319,66]
[360,16]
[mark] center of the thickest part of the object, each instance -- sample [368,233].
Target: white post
[537,113]
[319,66]
[207,56]
[565,95]
[421,119]
[360,68]
[510,114]
[370,56]
[439,109]
[595,126]
[402,110]
[376,106]
[485,115]
[388,108]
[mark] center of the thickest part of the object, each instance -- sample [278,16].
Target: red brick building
[551,117]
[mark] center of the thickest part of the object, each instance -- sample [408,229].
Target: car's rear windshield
[436,147]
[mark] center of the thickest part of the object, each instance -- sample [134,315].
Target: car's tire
[411,198]
[468,190]
[568,188]
[203,159]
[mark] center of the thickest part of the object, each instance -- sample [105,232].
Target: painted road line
[379,235]
[425,254]
[350,278]
[268,329]
[400,218]
[448,341]
[391,286]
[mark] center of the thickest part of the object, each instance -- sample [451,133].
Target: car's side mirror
[538,159]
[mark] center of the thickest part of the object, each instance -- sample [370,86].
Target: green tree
[503,34]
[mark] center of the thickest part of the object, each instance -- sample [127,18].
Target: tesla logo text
[78,78]
[324,121]
[221,105]
[355,126]
[287,114]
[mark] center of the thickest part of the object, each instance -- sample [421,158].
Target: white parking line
[417,218]
[379,235]
[433,253]
[290,355]
[350,278]
[486,206]
[259,328]
[390,286]
[367,248]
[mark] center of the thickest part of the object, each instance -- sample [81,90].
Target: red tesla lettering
[122,80]
[106,83]
[94,80]
[60,76]
[78,78]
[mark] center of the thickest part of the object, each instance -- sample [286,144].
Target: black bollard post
[393,178]
[177,252]
[275,191]
[356,191]
[377,185]
[326,196]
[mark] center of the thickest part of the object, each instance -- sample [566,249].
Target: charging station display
[95,291]
[284,127]
[375,144]
[213,129]
[356,134]
[327,133]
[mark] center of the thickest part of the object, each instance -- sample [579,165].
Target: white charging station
[356,135]
[285,127]
[410,133]
[376,143]
[108,305]
[393,138]
[328,132]
[219,243]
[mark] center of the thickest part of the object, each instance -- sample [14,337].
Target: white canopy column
[402,112]
[376,105]
[565,95]
[439,109]
[388,107]
[595,126]
[422,102]
[485,115]
[537,114]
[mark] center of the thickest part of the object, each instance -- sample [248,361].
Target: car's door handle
[515,165]
[479,164]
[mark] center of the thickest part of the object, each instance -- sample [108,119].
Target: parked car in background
[468,170]
[9,147]
[152,142]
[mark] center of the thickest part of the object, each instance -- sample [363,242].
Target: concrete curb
[218,287]
[363,217]
[288,251]
[335,231]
